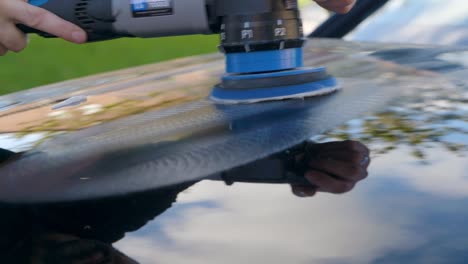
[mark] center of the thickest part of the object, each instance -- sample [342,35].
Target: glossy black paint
[430,22]
[411,208]
[146,147]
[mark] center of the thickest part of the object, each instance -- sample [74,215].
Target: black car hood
[406,103]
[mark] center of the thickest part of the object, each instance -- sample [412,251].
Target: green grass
[52,60]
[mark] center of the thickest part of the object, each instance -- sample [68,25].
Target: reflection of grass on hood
[304,2]
[411,124]
[387,131]
[52,60]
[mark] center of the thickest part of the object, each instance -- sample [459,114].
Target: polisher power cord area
[262,39]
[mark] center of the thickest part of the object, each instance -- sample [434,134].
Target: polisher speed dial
[278,26]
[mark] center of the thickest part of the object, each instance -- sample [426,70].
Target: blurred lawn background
[52,60]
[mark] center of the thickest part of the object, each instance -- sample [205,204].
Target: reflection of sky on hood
[410,21]
[396,210]
[312,15]
[19,143]
[456,57]
[411,209]
[267,224]
[445,177]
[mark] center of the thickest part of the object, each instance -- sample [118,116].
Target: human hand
[333,167]
[14,12]
[338,6]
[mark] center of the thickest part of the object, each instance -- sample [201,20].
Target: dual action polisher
[262,39]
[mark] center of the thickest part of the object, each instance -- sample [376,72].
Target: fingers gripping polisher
[262,39]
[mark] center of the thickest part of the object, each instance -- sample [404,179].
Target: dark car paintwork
[431,22]
[158,124]
[411,209]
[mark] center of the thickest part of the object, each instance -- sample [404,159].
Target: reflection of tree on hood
[420,124]
[103,221]
[5,154]
[109,220]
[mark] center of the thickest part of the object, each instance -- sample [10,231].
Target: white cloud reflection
[267,224]
[19,142]
[411,21]
[446,176]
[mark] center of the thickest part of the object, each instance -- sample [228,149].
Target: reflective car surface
[411,207]
[422,22]
[137,166]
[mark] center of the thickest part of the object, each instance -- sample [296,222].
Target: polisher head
[270,75]
[264,61]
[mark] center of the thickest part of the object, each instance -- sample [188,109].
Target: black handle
[92,37]
[28,30]
[95,17]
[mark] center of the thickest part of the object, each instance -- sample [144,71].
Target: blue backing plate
[313,88]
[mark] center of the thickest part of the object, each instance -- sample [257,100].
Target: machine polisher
[262,39]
